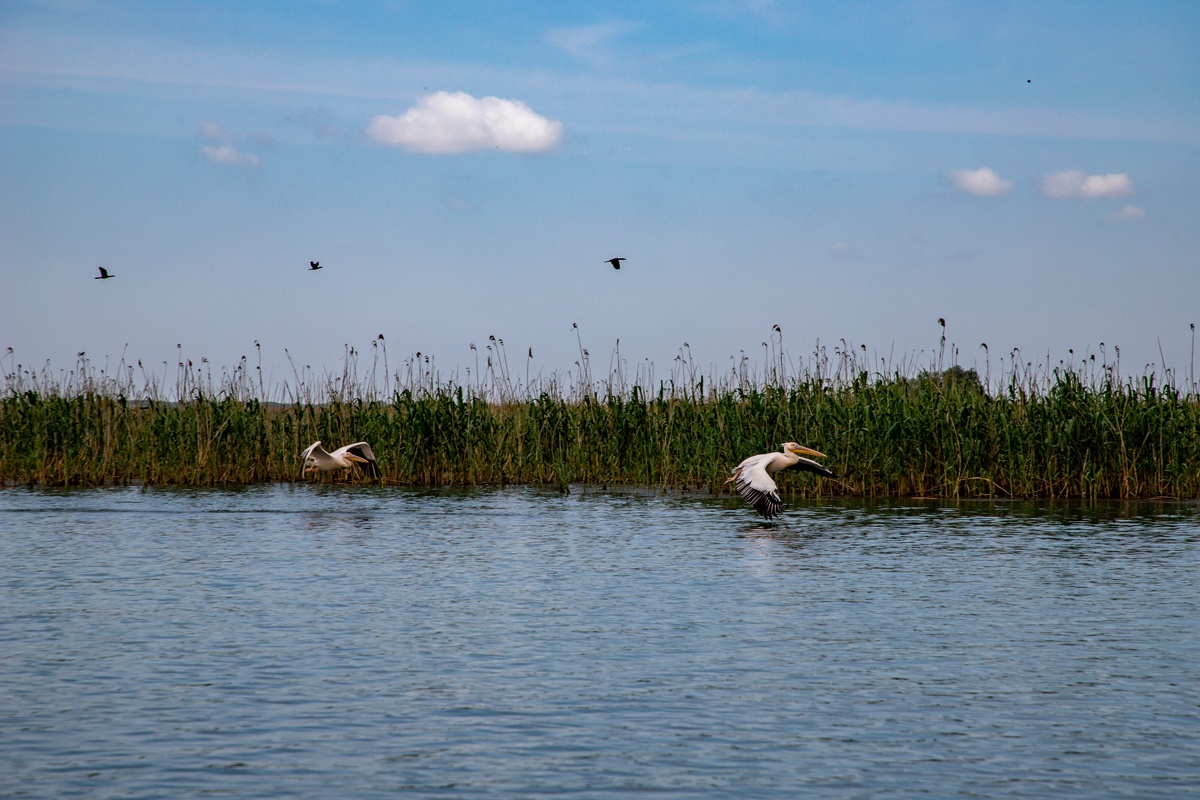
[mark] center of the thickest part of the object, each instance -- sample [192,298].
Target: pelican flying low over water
[753,478]
[317,458]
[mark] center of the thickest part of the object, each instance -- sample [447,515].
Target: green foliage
[941,433]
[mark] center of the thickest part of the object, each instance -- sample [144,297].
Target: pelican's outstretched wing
[757,487]
[308,454]
[808,465]
[363,451]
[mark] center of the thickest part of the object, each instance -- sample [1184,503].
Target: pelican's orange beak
[801,450]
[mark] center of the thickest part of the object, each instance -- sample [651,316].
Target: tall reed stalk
[1070,430]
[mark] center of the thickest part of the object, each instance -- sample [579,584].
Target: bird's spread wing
[308,451]
[363,450]
[756,488]
[808,465]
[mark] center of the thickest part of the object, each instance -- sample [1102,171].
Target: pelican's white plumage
[753,478]
[316,457]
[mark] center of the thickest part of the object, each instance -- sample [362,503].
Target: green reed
[1070,430]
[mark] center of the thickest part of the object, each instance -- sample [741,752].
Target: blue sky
[1028,171]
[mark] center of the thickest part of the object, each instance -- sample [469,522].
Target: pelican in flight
[317,458]
[753,478]
[616,262]
[314,265]
[103,275]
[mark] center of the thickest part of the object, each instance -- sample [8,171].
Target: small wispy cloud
[843,249]
[1075,183]
[228,154]
[212,130]
[456,122]
[982,182]
[591,43]
[86,59]
[1130,213]
[225,152]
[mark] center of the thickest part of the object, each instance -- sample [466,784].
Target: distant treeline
[939,433]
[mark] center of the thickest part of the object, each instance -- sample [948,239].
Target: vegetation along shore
[1071,430]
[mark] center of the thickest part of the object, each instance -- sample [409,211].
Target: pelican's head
[801,450]
[356,459]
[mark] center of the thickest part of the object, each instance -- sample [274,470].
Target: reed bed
[1034,430]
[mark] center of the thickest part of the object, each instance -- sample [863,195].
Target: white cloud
[147,65]
[1074,183]
[843,249]
[1130,213]
[456,122]
[591,43]
[212,130]
[228,154]
[982,182]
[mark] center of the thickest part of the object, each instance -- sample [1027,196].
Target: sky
[851,172]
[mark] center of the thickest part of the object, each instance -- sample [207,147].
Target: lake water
[337,642]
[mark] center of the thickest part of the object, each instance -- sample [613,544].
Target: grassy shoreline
[936,434]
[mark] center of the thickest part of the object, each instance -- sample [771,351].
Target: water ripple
[334,641]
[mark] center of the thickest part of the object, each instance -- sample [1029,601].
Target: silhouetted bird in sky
[314,265]
[616,262]
[103,274]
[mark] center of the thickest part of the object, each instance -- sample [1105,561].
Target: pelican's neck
[781,460]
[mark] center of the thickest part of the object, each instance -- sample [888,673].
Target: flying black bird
[616,262]
[103,275]
[314,265]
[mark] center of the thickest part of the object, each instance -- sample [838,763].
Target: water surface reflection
[352,642]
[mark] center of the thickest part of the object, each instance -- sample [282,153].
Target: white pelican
[317,458]
[755,484]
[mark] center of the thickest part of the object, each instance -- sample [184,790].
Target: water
[359,643]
